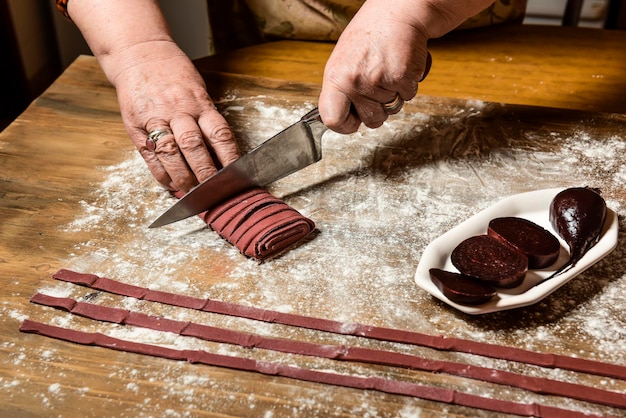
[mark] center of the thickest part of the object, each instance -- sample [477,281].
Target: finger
[375,99]
[350,112]
[407,87]
[371,112]
[156,168]
[429,63]
[219,137]
[393,106]
[139,138]
[368,101]
[170,156]
[335,111]
[190,143]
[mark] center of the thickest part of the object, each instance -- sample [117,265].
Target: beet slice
[487,259]
[461,288]
[538,244]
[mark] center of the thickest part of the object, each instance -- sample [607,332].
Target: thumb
[335,111]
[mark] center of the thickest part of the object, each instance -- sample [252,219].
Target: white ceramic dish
[533,206]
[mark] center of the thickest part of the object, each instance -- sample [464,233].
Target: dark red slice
[487,259]
[538,244]
[461,288]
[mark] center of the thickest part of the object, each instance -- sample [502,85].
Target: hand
[165,91]
[158,88]
[383,53]
[378,56]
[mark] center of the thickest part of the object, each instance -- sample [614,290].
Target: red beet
[460,288]
[577,214]
[539,245]
[487,259]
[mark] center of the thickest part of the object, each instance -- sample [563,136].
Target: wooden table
[563,67]
[73,194]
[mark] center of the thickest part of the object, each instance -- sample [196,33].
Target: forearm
[122,33]
[432,18]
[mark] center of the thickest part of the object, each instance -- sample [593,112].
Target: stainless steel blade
[287,152]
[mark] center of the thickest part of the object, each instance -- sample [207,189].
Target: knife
[288,151]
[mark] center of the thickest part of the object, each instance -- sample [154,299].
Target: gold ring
[394,105]
[155,135]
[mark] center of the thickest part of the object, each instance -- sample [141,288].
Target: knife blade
[290,150]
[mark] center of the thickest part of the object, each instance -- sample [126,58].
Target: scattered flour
[54,388]
[378,198]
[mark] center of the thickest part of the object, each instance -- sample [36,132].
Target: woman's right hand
[382,56]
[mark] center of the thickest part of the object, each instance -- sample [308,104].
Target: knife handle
[313,115]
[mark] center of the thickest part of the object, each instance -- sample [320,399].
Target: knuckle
[230,155]
[373,118]
[221,134]
[190,140]
[155,123]
[167,148]
[155,167]
[379,75]
[205,172]
[375,122]
[181,177]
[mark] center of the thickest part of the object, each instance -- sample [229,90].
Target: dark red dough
[112,286]
[228,223]
[153,322]
[437,342]
[258,224]
[258,218]
[65,304]
[460,288]
[214,213]
[577,214]
[177,300]
[277,369]
[536,243]
[338,352]
[69,276]
[270,235]
[487,259]
[100,313]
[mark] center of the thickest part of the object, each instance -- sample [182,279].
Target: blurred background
[38,43]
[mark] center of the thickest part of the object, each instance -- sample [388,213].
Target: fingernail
[429,63]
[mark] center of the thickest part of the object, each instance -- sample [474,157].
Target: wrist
[122,34]
[116,62]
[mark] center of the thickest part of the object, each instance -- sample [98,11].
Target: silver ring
[394,105]
[155,135]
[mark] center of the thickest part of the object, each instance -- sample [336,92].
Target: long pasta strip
[336,352]
[442,343]
[380,384]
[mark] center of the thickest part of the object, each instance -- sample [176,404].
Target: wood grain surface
[74,194]
[562,67]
